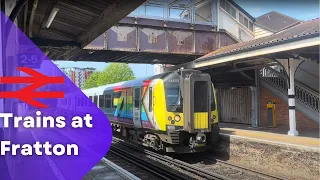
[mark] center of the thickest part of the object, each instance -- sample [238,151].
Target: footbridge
[156,32]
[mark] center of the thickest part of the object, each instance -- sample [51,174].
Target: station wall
[282,113]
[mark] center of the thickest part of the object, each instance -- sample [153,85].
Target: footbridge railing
[306,98]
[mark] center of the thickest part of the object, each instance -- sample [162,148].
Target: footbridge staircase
[307,99]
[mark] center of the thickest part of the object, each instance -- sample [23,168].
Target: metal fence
[303,94]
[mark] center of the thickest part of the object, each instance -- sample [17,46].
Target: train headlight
[169,118]
[177,118]
[201,138]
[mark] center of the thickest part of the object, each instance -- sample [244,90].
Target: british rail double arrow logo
[36,80]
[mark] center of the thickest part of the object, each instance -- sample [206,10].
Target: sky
[299,9]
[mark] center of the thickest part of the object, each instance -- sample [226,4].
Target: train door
[136,97]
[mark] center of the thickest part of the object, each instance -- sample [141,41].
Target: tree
[115,72]
[92,80]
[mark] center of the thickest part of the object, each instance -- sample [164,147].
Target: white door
[136,106]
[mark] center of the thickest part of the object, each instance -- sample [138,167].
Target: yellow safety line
[297,140]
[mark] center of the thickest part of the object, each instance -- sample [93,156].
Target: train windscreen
[173,93]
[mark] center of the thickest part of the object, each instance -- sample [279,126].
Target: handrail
[303,94]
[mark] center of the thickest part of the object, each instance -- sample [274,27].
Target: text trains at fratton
[170,112]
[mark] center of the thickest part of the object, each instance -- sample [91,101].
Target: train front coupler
[199,140]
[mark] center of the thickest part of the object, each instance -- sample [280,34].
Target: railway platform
[271,150]
[272,135]
[106,169]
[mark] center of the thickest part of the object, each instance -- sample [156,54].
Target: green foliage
[115,72]
[92,80]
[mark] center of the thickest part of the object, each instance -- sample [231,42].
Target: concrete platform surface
[276,135]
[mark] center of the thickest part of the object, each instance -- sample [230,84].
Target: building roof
[274,21]
[303,30]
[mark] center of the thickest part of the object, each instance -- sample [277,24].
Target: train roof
[124,84]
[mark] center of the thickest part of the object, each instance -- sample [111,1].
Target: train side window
[150,99]
[95,100]
[101,102]
[108,100]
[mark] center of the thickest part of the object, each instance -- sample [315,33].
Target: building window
[251,26]
[108,100]
[223,4]
[203,11]
[233,12]
[245,22]
[150,99]
[226,6]
[240,18]
[101,102]
[180,9]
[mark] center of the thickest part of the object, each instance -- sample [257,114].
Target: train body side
[119,103]
[177,109]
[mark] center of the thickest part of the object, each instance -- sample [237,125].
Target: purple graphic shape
[93,143]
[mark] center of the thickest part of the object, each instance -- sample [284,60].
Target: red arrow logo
[36,80]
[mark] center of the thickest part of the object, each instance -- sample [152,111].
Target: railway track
[149,169]
[163,167]
[199,166]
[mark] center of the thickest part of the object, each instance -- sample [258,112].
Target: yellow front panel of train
[201,120]
[159,107]
[161,115]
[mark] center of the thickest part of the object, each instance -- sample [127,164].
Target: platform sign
[29,60]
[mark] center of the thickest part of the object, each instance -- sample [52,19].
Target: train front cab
[193,127]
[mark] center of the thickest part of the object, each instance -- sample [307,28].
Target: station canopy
[300,41]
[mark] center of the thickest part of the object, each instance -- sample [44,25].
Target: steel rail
[183,165]
[147,166]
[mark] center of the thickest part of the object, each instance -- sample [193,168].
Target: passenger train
[170,112]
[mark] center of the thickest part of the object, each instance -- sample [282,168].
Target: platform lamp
[52,15]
